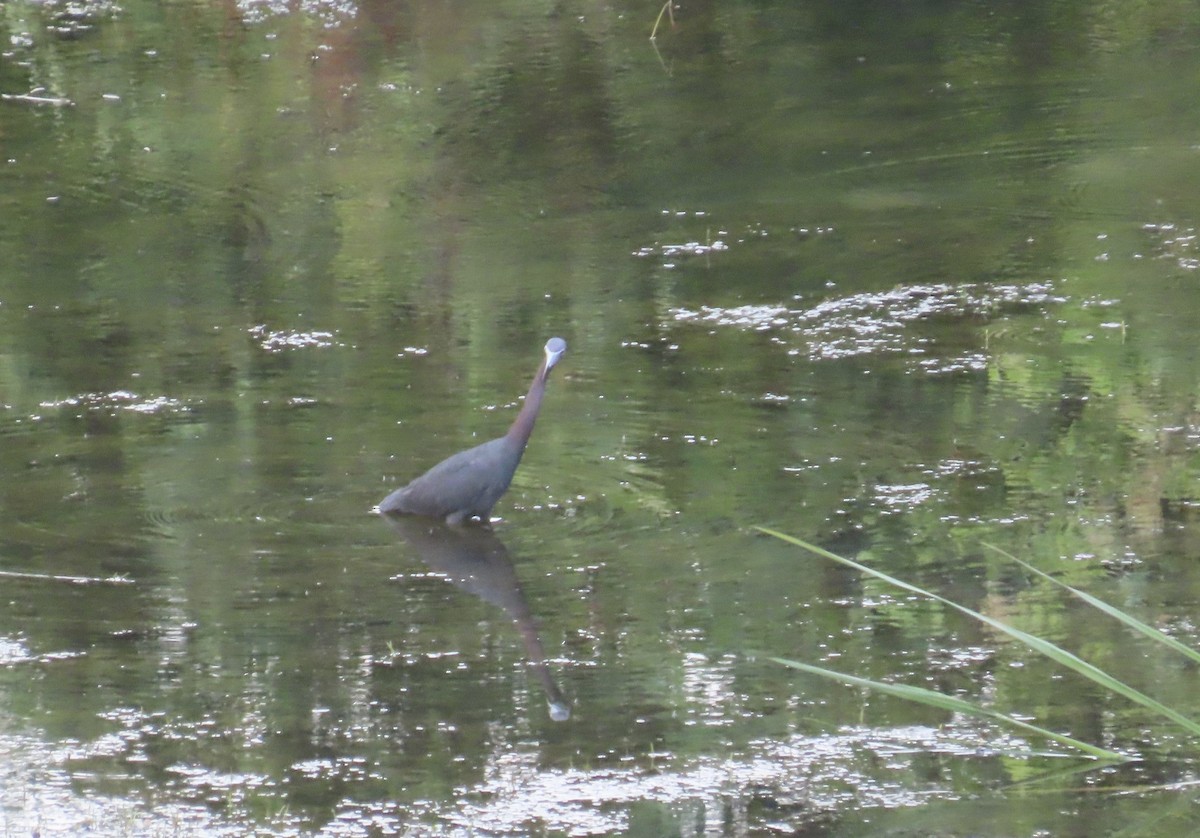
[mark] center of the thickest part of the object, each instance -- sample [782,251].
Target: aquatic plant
[1042,646]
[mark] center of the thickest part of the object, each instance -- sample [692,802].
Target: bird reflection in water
[476,560]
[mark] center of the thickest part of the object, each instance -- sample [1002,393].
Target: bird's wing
[461,482]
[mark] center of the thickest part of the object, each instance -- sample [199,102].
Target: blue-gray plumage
[469,483]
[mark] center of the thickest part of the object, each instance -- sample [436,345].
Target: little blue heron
[470,482]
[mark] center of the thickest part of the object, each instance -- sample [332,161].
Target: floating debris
[331,13]
[961,468]
[905,496]
[73,580]
[1177,244]
[34,98]
[674,251]
[289,339]
[758,317]
[718,240]
[118,400]
[14,650]
[968,362]
[595,800]
[874,323]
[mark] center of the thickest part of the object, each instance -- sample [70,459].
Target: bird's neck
[522,426]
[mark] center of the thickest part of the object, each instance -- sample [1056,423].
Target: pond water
[903,282]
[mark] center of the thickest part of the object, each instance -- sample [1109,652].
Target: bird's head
[555,347]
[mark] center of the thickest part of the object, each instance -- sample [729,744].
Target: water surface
[899,283]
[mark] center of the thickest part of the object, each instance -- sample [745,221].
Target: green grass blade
[953,704]
[1044,647]
[1129,620]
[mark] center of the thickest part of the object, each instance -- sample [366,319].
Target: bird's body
[468,484]
[461,486]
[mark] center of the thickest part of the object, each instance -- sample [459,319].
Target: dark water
[902,282]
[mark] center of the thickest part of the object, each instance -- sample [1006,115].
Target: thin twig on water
[56,101]
[74,580]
